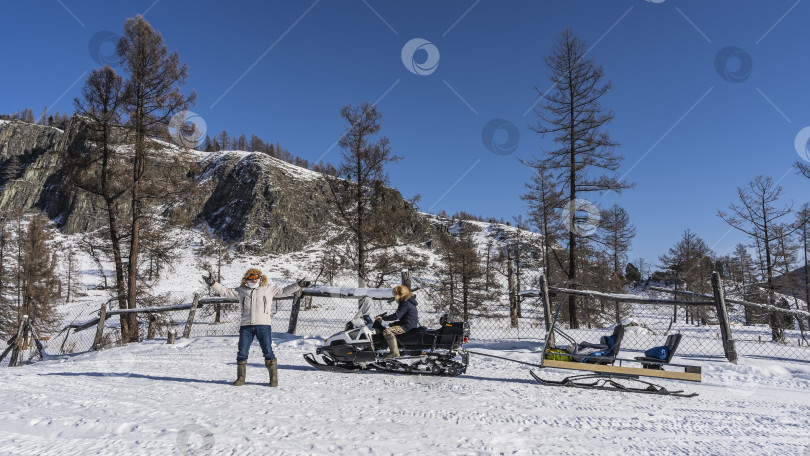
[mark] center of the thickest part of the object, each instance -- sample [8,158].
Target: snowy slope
[159,399]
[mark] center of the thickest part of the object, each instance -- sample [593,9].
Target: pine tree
[571,112]
[207,145]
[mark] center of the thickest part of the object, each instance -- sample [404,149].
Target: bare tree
[756,216]
[616,234]
[544,201]
[71,268]
[572,114]
[8,314]
[152,97]
[366,207]
[102,171]
[644,268]
[462,279]
[803,224]
[803,168]
[786,250]
[40,283]
[690,262]
[741,272]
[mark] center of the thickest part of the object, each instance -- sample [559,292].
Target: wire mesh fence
[646,325]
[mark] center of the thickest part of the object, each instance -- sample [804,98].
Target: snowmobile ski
[310,358]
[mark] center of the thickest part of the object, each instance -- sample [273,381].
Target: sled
[609,372]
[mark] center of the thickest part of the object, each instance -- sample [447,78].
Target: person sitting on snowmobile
[407,315]
[256,298]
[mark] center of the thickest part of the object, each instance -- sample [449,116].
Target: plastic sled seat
[673,340]
[607,352]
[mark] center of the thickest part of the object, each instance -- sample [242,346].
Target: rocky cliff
[251,199]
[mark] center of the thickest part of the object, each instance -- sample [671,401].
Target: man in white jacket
[256,301]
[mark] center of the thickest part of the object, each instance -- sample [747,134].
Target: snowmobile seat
[604,352]
[673,340]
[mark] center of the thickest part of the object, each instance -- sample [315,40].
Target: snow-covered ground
[154,398]
[159,399]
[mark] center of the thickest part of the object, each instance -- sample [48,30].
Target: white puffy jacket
[256,303]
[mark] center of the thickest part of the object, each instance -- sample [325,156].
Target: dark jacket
[406,313]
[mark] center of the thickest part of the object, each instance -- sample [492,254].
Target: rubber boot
[272,368]
[241,368]
[392,346]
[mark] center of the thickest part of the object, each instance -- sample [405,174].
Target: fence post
[546,308]
[191,313]
[170,336]
[510,280]
[102,317]
[150,334]
[722,317]
[296,306]
[406,278]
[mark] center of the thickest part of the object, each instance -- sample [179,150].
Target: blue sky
[690,134]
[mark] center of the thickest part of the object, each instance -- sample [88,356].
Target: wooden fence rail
[768,307]
[326,292]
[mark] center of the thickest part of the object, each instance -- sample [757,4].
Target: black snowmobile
[422,351]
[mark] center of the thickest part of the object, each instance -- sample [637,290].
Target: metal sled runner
[609,372]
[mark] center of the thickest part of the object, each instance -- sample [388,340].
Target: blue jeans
[246,335]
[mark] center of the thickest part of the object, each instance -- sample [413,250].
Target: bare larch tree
[756,215]
[153,96]
[571,112]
